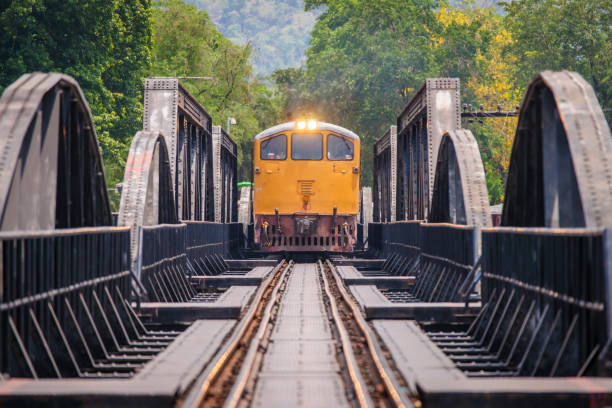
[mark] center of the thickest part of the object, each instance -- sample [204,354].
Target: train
[306,181]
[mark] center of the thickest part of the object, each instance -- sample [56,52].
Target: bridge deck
[154,312]
[300,367]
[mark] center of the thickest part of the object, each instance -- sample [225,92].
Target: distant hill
[279,30]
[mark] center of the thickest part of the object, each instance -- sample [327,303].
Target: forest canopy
[105,45]
[111,46]
[194,48]
[364,60]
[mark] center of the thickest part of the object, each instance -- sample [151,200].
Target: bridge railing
[550,288]
[162,269]
[402,236]
[65,294]
[53,287]
[208,243]
[375,244]
[400,242]
[449,242]
[448,255]
[170,253]
[234,239]
[442,255]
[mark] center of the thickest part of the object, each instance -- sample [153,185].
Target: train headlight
[312,124]
[301,125]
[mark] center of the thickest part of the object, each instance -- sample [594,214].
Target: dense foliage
[194,48]
[278,30]
[365,60]
[563,34]
[108,46]
[104,44]
[363,81]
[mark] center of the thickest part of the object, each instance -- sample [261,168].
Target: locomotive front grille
[306,187]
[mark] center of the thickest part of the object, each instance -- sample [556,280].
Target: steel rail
[235,394]
[359,384]
[398,397]
[198,391]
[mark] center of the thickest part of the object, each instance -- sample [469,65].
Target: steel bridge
[164,304]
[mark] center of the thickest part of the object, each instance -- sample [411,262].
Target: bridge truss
[441,310]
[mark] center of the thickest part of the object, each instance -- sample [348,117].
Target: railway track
[302,341]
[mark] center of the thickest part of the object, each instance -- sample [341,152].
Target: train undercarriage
[304,232]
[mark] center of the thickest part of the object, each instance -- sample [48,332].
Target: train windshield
[274,148]
[339,148]
[306,146]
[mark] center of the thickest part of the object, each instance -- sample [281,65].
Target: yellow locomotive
[306,187]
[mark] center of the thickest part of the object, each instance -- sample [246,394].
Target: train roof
[320,126]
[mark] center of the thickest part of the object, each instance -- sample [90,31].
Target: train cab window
[339,148]
[274,148]
[306,146]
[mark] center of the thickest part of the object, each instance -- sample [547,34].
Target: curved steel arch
[147,196]
[560,171]
[51,173]
[460,193]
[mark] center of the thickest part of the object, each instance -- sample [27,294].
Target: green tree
[469,44]
[194,47]
[563,34]
[355,80]
[363,81]
[124,77]
[104,44]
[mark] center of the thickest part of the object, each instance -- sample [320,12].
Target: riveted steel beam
[460,189]
[560,172]
[51,173]
[225,164]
